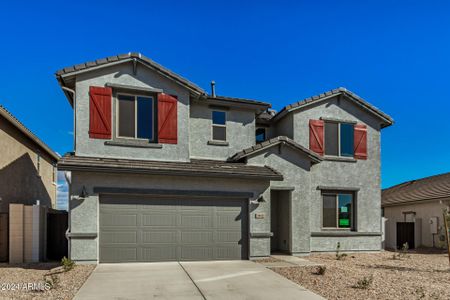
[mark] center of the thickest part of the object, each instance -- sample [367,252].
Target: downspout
[74,116]
[68,176]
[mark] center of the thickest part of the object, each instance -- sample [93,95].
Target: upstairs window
[339,139]
[260,135]
[136,119]
[338,210]
[219,127]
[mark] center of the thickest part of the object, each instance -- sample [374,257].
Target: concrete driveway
[190,280]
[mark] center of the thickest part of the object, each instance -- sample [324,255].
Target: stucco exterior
[421,214]
[27,171]
[302,176]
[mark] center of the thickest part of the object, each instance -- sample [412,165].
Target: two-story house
[164,171]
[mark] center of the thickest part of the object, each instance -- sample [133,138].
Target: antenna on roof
[213,89]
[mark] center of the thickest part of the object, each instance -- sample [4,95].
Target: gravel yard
[56,283]
[416,276]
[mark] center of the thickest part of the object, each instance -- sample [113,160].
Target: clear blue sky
[394,54]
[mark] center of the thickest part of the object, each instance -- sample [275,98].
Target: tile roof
[339,91]
[273,142]
[240,100]
[127,57]
[205,168]
[16,123]
[429,188]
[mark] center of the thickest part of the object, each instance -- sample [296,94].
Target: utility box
[433,225]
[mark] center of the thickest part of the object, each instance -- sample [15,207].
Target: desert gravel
[417,276]
[64,285]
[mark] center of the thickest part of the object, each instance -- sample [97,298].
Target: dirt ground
[418,275]
[49,279]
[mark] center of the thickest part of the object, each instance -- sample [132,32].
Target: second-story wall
[144,77]
[240,132]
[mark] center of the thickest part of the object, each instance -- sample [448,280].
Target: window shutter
[316,136]
[100,99]
[360,141]
[167,119]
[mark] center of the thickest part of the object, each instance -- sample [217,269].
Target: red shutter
[100,112]
[316,128]
[360,141]
[167,119]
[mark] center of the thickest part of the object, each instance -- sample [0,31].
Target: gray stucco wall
[295,168]
[361,174]
[144,77]
[84,214]
[240,131]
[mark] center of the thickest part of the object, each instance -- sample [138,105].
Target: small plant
[339,255]
[420,292]
[67,264]
[364,283]
[52,282]
[320,270]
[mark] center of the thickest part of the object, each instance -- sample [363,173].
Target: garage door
[145,229]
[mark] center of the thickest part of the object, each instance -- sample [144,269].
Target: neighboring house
[413,212]
[163,171]
[27,175]
[27,165]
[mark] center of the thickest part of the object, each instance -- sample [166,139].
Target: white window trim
[352,226]
[135,116]
[218,125]
[338,139]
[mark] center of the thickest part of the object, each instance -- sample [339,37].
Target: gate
[4,237]
[405,234]
[57,223]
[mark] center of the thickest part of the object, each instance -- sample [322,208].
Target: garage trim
[171,192]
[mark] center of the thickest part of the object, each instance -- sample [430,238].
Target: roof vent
[213,89]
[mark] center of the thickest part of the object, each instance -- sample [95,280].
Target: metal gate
[57,223]
[4,237]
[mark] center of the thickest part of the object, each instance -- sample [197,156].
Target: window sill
[339,158]
[218,143]
[343,233]
[133,144]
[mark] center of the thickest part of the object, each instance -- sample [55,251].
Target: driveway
[190,280]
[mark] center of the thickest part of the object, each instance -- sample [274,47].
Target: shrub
[67,264]
[320,270]
[339,255]
[364,283]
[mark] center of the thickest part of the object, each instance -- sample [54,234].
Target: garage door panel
[157,237]
[134,228]
[118,237]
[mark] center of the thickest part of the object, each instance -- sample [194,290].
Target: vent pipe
[213,89]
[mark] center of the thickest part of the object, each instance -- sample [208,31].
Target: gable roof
[387,120]
[234,100]
[429,188]
[315,158]
[17,124]
[121,58]
[196,167]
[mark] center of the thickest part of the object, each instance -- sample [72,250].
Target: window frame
[117,118]
[352,215]
[265,134]
[218,125]
[339,123]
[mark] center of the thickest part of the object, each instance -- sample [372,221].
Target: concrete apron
[190,280]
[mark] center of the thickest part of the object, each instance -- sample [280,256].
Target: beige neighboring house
[27,165]
[413,212]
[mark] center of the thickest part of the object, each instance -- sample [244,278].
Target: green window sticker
[344,222]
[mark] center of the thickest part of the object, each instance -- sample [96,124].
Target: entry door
[141,229]
[405,234]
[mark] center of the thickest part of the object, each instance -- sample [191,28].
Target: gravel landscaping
[49,279]
[416,275]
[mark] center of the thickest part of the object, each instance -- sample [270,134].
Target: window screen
[331,138]
[347,136]
[126,116]
[329,211]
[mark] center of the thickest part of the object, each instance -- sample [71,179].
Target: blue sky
[394,54]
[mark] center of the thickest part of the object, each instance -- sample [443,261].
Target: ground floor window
[338,210]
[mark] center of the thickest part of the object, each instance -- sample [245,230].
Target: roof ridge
[416,180]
